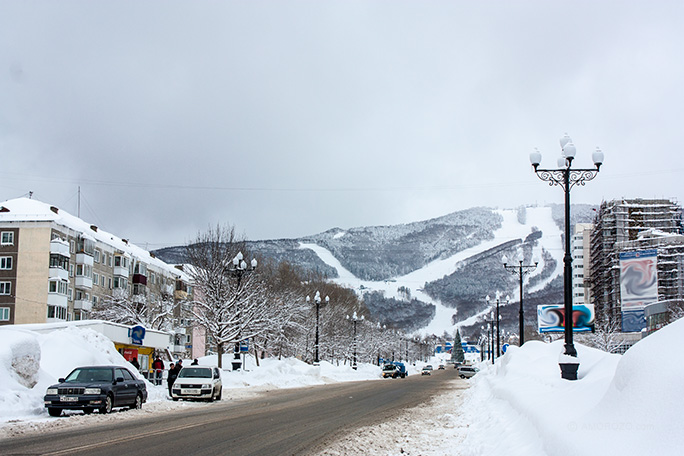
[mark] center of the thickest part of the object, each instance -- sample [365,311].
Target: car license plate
[68,398]
[190,391]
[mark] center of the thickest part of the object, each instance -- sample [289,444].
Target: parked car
[198,382]
[99,388]
[441,367]
[394,370]
[467,371]
[427,370]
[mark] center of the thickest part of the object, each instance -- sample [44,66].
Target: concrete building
[54,267]
[628,226]
[581,243]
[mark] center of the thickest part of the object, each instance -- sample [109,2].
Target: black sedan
[96,388]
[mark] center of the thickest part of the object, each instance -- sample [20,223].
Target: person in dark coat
[135,363]
[173,375]
[195,362]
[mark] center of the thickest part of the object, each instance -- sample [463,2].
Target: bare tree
[154,311]
[606,336]
[230,301]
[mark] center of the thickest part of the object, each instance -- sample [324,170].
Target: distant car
[394,370]
[467,371]
[441,367]
[198,382]
[93,388]
[427,370]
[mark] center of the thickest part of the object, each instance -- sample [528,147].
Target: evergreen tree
[457,354]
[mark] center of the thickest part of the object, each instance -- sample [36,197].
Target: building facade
[581,243]
[627,226]
[54,267]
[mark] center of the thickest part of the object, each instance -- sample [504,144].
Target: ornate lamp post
[354,318]
[522,270]
[238,270]
[317,301]
[566,177]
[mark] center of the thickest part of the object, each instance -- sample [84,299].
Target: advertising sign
[551,318]
[638,279]
[137,334]
[244,346]
[633,320]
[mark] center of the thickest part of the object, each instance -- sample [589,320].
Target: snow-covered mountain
[432,276]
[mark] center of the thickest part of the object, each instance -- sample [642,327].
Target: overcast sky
[287,118]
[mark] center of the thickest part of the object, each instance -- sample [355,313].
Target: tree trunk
[219,349]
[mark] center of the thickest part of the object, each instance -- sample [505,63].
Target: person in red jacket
[158,368]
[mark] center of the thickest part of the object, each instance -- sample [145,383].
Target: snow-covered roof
[31,210]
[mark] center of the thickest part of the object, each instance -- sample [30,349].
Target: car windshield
[195,372]
[388,367]
[89,375]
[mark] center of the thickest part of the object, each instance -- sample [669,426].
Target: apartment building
[581,243]
[628,226]
[54,267]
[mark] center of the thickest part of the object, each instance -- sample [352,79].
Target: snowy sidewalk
[432,429]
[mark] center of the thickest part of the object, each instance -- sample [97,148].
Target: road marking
[129,438]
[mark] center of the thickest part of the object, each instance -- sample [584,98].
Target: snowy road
[277,422]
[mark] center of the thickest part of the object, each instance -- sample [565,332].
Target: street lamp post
[239,269]
[522,270]
[317,301]
[354,318]
[567,177]
[498,320]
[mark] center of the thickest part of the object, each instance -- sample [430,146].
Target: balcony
[82,304]
[59,247]
[59,273]
[57,300]
[84,258]
[121,271]
[83,282]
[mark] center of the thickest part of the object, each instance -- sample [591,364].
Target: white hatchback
[198,382]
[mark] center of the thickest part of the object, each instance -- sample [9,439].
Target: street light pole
[239,269]
[354,318]
[498,319]
[566,177]
[522,270]
[317,301]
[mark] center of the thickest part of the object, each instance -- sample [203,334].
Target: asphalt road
[280,422]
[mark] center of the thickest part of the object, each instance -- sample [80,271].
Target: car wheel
[54,411]
[175,399]
[108,405]
[138,403]
[87,411]
[220,394]
[462,376]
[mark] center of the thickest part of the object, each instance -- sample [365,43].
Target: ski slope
[536,217]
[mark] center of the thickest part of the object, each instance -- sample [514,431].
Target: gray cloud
[289,118]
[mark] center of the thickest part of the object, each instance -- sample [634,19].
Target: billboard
[638,279]
[551,318]
[638,287]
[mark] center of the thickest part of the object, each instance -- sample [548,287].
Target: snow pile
[619,405]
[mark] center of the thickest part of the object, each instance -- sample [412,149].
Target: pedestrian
[158,368]
[135,363]
[172,376]
[195,362]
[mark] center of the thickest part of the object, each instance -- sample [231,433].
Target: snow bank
[619,405]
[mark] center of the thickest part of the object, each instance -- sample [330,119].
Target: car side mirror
[60,380]
[119,380]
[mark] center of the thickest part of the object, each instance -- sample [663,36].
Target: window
[58,286]
[102,281]
[4,313]
[96,278]
[5,262]
[70,293]
[5,288]
[56,312]
[7,238]
[58,261]
[71,270]
[97,256]
[72,247]
[83,270]
[94,300]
